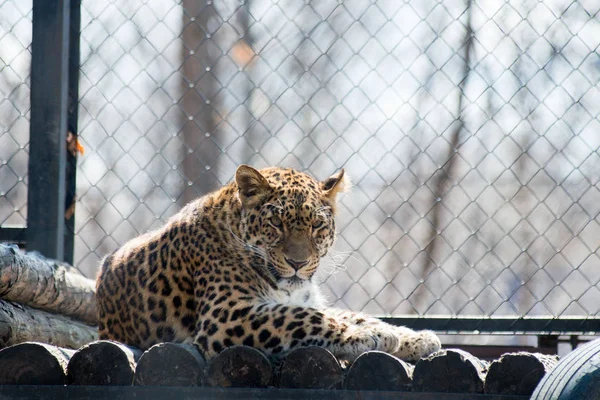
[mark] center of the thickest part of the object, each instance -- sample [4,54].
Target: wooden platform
[179,393]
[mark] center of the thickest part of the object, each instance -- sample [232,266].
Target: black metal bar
[13,234]
[73,104]
[17,392]
[47,143]
[502,325]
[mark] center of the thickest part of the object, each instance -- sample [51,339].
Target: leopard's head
[288,218]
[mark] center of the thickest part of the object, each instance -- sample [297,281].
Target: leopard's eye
[317,223]
[276,221]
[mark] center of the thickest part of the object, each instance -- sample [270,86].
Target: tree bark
[46,284]
[34,363]
[20,324]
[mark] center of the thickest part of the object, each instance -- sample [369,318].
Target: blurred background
[469,128]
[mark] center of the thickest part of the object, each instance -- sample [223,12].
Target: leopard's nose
[296,264]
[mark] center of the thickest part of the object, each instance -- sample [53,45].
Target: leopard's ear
[335,184]
[252,186]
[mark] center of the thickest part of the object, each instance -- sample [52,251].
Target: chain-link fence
[470,130]
[15,63]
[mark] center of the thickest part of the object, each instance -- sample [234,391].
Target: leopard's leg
[277,329]
[352,317]
[414,345]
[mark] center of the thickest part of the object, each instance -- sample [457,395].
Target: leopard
[237,266]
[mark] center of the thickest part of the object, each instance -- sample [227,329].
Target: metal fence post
[48,152]
[73,114]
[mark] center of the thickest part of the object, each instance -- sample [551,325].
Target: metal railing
[470,130]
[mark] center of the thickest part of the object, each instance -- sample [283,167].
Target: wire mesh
[469,128]
[15,61]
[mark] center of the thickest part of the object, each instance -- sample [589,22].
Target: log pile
[49,285]
[106,363]
[43,300]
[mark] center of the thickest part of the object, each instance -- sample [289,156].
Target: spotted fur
[236,267]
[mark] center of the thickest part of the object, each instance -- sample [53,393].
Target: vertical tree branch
[246,52]
[442,183]
[199,120]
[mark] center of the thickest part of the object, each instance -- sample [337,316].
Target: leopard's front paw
[416,345]
[367,338]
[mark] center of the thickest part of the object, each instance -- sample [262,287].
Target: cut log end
[170,364]
[449,371]
[376,370]
[311,368]
[518,373]
[103,363]
[240,366]
[34,364]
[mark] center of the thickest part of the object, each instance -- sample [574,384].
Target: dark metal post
[73,103]
[48,129]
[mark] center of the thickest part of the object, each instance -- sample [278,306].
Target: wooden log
[34,363]
[376,370]
[311,368]
[449,371]
[49,285]
[170,364]
[103,363]
[20,324]
[518,373]
[240,366]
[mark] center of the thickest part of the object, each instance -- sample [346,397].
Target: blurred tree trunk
[243,56]
[198,119]
[442,180]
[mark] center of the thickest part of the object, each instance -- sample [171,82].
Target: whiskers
[334,261]
[259,252]
[241,244]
